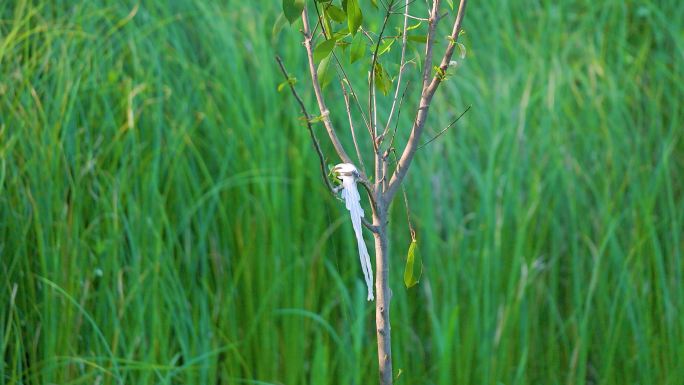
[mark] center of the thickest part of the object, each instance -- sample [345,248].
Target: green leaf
[336,13]
[317,119]
[411,272]
[323,49]
[358,48]
[417,38]
[382,79]
[290,80]
[451,4]
[278,26]
[293,9]
[354,16]
[342,33]
[439,72]
[374,3]
[327,27]
[325,72]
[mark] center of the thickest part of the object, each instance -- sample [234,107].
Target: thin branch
[445,129]
[424,105]
[366,34]
[384,5]
[394,135]
[317,145]
[406,15]
[314,139]
[351,126]
[396,124]
[402,63]
[408,214]
[379,160]
[432,27]
[325,113]
[353,93]
[371,80]
[453,38]
[405,6]
[406,204]
[319,22]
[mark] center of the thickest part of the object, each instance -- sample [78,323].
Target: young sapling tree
[340,28]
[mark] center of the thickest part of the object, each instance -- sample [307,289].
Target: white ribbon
[348,174]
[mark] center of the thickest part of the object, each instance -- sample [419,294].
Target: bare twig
[445,129]
[405,6]
[391,142]
[406,15]
[379,161]
[353,94]
[366,34]
[406,205]
[396,124]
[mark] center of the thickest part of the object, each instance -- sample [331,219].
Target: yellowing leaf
[412,27]
[386,46]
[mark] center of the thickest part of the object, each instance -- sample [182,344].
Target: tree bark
[383,296]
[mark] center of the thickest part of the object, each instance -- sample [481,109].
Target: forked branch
[317,145]
[426,97]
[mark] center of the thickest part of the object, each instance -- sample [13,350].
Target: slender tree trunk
[383,296]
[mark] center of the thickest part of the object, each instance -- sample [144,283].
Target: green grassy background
[163,221]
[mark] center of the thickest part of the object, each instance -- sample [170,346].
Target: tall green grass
[162,219]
